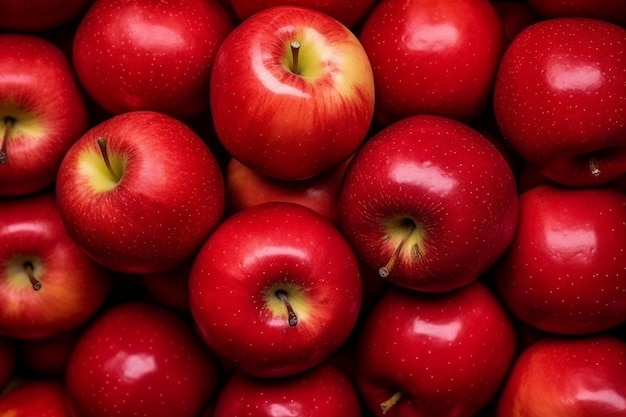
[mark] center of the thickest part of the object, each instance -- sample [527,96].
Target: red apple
[170,287]
[275,289]
[564,270]
[429,202]
[41,112]
[559,99]
[48,285]
[140,359]
[433,56]
[140,192]
[437,355]
[348,12]
[292,92]
[582,377]
[7,360]
[38,15]
[610,10]
[41,398]
[323,391]
[245,187]
[150,55]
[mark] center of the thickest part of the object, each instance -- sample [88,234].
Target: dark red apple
[36,397]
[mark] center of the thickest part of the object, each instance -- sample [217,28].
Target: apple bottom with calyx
[438,355]
[275,290]
[564,270]
[323,391]
[48,285]
[138,358]
[582,377]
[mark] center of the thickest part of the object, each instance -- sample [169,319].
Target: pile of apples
[338,208]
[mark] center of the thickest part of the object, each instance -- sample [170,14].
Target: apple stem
[8,125]
[102,143]
[295,52]
[384,271]
[390,402]
[292,318]
[593,166]
[30,271]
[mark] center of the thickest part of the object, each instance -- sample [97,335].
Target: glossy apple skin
[73,286]
[263,249]
[348,12]
[610,10]
[38,15]
[286,125]
[448,353]
[140,358]
[245,187]
[559,98]
[36,397]
[564,270]
[576,377]
[146,55]
[38,90]
[447,179]
[323,391]
[169,199]
[433,56]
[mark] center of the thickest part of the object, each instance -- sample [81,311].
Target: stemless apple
[559,99]
[583,377]
[429,202]
[48,285]
[140,192]
[42,112]
[138,358]
[292,92]
[275,290]
[433,56]
[439,355]
[564,270]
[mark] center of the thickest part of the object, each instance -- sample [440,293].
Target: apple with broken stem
[275,290]
[140,192]
[559,99]
[429,202]
[582,376]
[292,92]
[138,358]
[564,270]
[48,285]
[150,55]
[437,355]
[323,391]
[42,112]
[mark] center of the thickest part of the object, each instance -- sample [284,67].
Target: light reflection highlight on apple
[435,37]
[446,332]
[131,367]
[260,62]
[438,180]
[572,244]
[280,252]
[606,399]
[572,76]
[281,410]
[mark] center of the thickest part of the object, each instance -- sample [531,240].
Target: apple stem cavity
[594,168]
[390,402]
[102,143]
[295,52]
[384,271]
[291,315]
[8,125]
[29,268]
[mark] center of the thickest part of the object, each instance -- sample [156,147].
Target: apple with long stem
[140,192]
[42,112]
[559,99]
[275,290]
[429,202]
[140,358]
[439,355]
[292,92]
[48,285]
